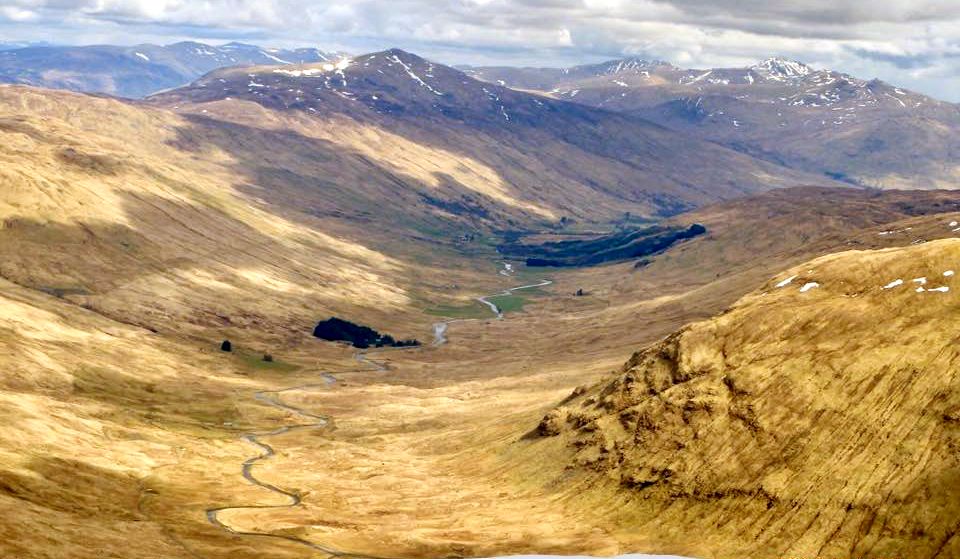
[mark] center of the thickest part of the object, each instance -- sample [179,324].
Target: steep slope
[817,417]
[823,121]
[135,71]
[561,159]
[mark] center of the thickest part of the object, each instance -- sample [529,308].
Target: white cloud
[17,14]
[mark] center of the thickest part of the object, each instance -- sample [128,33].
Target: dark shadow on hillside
[290,174]
[74,487]
[162,403]
[623,172]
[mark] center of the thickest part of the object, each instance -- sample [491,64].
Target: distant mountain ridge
[866,132]
[543,158]
[139,70]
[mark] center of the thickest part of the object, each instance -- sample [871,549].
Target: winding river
[272,398]
[315,421]
[440,328]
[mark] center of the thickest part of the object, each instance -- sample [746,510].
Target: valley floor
[116,441]
[153,451]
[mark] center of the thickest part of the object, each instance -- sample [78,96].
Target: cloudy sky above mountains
[914,43]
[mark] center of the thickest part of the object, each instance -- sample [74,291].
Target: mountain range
[869,133]
[510,157]
[134,71]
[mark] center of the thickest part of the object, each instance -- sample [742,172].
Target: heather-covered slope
[171,224]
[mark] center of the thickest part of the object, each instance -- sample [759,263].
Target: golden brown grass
[816,423]
[130,251]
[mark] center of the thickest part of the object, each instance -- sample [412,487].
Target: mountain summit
[781,69]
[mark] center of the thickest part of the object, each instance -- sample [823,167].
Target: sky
[911,43]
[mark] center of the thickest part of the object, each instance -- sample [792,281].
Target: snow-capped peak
[628,65]
[782,69]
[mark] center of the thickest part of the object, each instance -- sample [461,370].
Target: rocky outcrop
[809,420]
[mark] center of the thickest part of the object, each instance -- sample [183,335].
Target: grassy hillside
[818,416]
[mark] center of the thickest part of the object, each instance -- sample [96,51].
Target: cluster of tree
[339,330]
[620,245]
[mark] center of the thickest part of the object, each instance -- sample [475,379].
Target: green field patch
[473,310]
[509,303]
[254,361]
[533,292]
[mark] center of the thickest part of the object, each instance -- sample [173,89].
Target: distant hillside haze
[866,132]
[135,71]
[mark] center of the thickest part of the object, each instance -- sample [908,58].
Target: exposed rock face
[810,421]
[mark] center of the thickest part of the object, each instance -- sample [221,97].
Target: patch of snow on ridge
[780,69]
[141,55]
[943,289]
[894,283]
[414,76]
[921,281]
[948,273]
[786,282]
[274,58]
[299,73]
[808,286]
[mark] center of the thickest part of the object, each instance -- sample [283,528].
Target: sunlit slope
[817,417]
[147,216]
[211,208]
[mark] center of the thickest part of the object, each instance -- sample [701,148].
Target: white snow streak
[808,286]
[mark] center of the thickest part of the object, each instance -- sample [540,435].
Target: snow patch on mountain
[781,69]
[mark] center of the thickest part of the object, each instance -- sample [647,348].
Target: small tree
[226,346]
[267,358]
